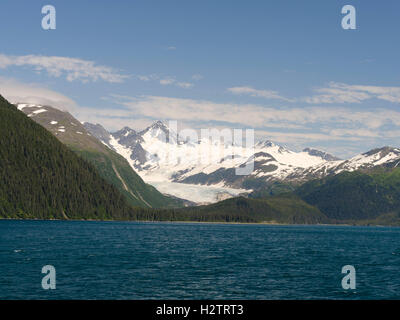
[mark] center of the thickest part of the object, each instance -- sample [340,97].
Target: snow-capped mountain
[203,170]
[384,157]
[322,154]
[159,154]
[110,165]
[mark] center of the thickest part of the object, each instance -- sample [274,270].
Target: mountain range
[111,166]
[160,155]
[54,167]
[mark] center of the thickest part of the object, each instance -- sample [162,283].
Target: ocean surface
[128,260]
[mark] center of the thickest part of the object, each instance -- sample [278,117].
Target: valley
[286,187]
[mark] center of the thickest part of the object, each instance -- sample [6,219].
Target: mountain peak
[92,125]
[159,125]
[124,132]
[160,131]
[265,143]
[382,151]
[322,154]
[98,131]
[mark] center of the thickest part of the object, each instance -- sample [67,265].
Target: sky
[282,67]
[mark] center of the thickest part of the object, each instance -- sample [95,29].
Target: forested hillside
[42,178]
[287,209]
[355,195]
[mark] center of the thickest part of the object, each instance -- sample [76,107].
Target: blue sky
[285,68]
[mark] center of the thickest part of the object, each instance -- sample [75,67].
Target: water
[127,260]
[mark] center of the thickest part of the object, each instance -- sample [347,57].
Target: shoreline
[210,222]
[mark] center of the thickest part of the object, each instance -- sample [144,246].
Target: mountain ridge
[43,179]
[111,165]
[272,163]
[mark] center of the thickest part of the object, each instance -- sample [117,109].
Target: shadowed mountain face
[112,166]
[321,154]
[98,131]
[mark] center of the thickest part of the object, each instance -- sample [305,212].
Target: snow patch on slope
[196,193]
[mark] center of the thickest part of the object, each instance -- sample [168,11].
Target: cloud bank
[267,94]
[334,128]
[334,93]
[15,92]
[71,68]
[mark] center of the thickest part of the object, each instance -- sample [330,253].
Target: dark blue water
[125,260]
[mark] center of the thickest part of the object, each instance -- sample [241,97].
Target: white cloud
[112,124]
[15,92]
[301,137]
[184,84]
[167,81]
[267,94]
[335,128]
[339,93]
[344,93]
[82,70]
[197,77]
[72,68]
[144,78]
[172,81]
[113,119]
[255,116]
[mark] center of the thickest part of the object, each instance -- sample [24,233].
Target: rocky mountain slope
[159,154]
[111,166]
